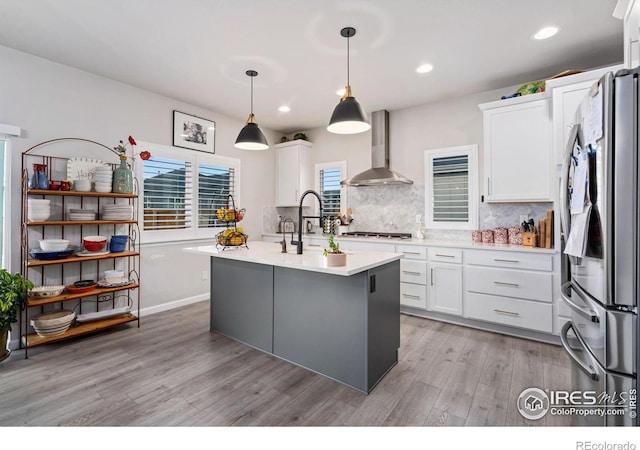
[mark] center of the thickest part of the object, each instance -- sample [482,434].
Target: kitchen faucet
[298,243]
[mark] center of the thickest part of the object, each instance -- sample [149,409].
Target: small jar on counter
[476,236]
[487,236]
[501,235]
[515,235]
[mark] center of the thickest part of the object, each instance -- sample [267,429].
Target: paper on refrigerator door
[580,181]
[595,115]
[577,240]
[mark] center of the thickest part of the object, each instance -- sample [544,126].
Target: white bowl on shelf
[54,245]
[113,276]
[46,291]
[102,188]
[53,323]
[39,202]
[38,216]
[82,185]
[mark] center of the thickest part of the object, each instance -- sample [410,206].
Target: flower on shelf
[122,149]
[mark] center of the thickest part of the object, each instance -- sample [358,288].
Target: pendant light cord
[251,99]
[348,61]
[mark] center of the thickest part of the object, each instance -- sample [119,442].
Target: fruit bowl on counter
[232,237]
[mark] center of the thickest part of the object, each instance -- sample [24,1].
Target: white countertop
[427,243]
[269,253]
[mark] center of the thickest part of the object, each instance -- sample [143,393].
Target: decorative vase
[38,179]
[4,345]
[123,178]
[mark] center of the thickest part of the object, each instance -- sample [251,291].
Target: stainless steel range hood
[379,174]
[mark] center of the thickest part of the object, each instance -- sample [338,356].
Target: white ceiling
[197,51]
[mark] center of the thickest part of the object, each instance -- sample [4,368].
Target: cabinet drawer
[510,260]
[413,271]
[449,255]
[509,311]
[412,251]
[414,295]
[509,283]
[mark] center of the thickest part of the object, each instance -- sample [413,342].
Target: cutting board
[542,228]
[549,229]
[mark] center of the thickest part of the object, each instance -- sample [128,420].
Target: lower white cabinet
[413,295]
[514,289]
[445,288]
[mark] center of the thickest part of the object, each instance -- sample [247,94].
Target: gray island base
[345,327]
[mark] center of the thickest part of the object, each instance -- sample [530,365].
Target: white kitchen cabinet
[517,149]
[444,284]
[413,276]
[629,12]
[566,95]
[509,288]
[294,172]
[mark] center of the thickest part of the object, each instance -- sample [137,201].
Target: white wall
[49,100]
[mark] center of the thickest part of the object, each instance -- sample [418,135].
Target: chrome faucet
[298,243]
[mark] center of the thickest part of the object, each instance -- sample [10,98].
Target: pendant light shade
[348,117]
[251,136]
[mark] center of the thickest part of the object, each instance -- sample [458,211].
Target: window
[328,177]
[451,187]
[182,191]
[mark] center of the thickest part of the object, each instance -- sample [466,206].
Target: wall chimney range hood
[379,174]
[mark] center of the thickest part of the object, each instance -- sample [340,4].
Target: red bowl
[94,243]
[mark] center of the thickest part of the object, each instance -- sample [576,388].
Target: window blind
[451,189]
[169,193]
[330,191]
[215,183]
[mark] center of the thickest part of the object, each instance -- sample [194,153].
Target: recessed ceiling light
[546,33]
[284,108]
[424,68]
[340,92]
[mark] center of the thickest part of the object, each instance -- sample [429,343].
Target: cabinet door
[566,100]
[517,146]
[287,176]
[445,288]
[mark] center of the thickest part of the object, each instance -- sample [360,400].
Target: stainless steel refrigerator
[601,243]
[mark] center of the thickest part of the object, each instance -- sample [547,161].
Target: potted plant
[13,292]
[334,256]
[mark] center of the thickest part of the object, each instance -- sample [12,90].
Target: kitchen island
[341,322]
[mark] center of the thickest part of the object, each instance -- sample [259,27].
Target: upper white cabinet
[566,95]
[294,173]
[629,12]
[517,149]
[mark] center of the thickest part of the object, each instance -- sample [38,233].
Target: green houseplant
[13,292]
[334,256]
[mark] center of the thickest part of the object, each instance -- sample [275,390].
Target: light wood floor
[172,371]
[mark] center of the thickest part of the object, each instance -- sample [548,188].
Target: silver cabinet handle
[411,296]
[445,256]
[508,313]
[432,276]
[410,253]
[408,272]
[502,283]
[506,260]
[488,185]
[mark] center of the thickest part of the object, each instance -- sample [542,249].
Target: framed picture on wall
[193,132]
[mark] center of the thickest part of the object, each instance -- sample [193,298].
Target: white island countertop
[269,253]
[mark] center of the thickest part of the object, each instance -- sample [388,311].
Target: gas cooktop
[378,234]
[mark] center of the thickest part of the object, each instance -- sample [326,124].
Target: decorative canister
[123,178]
[487,236]
[515,235]
[476,236]
[501,235]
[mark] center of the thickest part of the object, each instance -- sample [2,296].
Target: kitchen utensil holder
[529,239]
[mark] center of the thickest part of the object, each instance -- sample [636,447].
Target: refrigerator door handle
[572,354]
[584,312]
[564,184]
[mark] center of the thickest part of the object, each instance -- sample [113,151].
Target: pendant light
[348,117]
[251,137]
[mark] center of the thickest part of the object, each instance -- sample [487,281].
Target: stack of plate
[117,212]
[81,214]
[38,209]
[103,179]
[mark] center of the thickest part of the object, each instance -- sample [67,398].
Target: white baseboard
[14,344]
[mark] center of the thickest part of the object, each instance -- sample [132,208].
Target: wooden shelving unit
[58,271]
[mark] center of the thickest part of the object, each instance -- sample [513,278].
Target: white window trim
[7,133]
[342,165]
[195,157]
[471,150]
